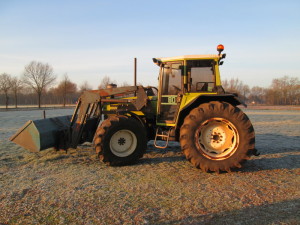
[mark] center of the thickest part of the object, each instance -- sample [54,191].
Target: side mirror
[221,63]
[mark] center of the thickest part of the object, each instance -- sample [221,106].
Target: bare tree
[66,87]
[233,85]
[245,91]
[38,76]
[230,85]
[295,91]
[5,86]
[104,82]
[284,91]
[257,95]
[16,86]
[125,84]
[84,87]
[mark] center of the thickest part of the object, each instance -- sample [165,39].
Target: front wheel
[217,136]
[120,140]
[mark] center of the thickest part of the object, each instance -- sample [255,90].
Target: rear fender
[230,98]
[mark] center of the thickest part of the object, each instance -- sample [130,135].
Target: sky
[90,39]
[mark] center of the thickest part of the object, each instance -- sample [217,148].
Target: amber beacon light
[220,48]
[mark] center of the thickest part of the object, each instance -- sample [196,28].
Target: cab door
[170,91]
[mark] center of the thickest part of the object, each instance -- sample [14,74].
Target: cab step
[163,135]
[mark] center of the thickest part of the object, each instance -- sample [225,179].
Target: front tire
[120,140]
[217,136]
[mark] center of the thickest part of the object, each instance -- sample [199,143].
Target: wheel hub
[217,138]
[123,143]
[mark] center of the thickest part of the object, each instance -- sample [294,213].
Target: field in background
[35,107]
[163,188]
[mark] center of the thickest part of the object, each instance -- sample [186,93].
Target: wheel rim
[217,138]
[123,143]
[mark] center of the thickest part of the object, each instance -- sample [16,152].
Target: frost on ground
[163,188]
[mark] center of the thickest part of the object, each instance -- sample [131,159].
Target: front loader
[189,106]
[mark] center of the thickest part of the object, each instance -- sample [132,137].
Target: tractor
[189,106]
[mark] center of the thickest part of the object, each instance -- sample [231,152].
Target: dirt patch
[162,188]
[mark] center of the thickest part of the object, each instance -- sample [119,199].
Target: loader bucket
[37,135]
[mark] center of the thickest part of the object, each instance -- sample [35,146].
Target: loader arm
[89,110]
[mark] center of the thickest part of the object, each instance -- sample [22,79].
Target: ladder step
[167,136]
[162,135]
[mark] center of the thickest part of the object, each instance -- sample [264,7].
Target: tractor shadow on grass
[155,155]
[286,212]
[276,152]
[277,143]
[259,164]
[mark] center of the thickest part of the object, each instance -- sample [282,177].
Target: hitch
[255,152]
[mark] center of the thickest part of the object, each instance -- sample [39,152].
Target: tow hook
[255,152]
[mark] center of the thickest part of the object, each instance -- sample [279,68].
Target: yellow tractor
[189,106]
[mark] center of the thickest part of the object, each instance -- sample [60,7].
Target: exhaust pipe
[135,65]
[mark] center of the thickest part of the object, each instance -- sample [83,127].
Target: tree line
[37,85]
[282,91]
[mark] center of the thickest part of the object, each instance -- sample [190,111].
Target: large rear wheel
[120,140]
[217,136]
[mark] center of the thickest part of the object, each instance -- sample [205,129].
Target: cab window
[172,78]
[202,75]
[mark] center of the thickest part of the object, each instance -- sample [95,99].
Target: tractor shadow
[276,152]
[170,154]
[285,212]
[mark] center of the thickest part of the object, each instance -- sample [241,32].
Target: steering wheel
[177,88]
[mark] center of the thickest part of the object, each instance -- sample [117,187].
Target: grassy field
[162,188]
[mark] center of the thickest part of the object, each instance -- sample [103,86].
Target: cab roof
[188,57]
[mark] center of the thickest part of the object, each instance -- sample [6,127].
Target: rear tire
[217,136]
[120,140]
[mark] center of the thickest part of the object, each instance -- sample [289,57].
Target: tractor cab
[184,78]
